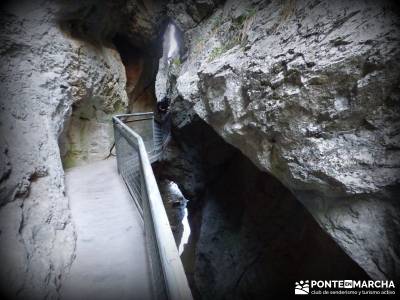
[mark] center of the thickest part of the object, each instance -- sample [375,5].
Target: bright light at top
[173,45]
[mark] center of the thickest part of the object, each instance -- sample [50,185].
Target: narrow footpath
[111,260]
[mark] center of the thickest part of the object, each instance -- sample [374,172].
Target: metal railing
[139,139]
[161,136]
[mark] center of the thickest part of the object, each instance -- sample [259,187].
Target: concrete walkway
[111,260]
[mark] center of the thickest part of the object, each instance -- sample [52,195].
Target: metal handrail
[157,227]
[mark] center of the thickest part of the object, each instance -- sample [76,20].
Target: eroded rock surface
[309,91]
[45,74]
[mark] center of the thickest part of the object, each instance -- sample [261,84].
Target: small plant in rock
[176,62]
[236,34]
[240,21]
[216,52]
[243,23]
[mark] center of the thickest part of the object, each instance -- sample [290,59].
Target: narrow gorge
[283,158]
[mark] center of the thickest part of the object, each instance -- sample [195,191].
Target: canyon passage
[200,149]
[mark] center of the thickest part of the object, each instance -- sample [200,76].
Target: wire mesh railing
[161,135]
[138,140]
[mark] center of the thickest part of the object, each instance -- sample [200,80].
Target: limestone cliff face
[46,76]
[66,68]
[97,81]
[309,91]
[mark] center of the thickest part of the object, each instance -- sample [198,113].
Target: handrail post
[115,145]
[154,135]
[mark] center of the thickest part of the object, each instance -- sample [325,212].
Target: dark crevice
[141,66]
[236,210]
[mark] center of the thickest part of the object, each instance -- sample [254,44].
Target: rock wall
[309,91]
[99,80]
[132,29]
[45,76]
